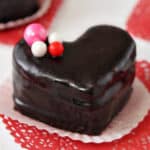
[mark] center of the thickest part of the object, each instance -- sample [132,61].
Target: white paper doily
[131,115]
[44,5]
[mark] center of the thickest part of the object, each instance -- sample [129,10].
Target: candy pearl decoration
[39,49]
[56,49]
[34,32]
[54,37]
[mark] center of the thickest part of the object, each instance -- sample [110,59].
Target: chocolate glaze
[16,9]
[90,58]
[93,77]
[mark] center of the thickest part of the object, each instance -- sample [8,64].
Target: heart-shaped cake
[11,10]
[80,91]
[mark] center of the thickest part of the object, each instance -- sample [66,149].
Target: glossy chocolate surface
[15,9]
[90,58]
[81,91]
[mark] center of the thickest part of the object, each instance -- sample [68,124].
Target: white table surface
[73,18]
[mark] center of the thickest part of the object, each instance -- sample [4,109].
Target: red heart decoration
[33,138]
[11,36]
[139,20]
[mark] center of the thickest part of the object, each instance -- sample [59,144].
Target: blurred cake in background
[11,10]
[19,12]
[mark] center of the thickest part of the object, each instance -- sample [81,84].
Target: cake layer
[23,81]
[47,105]
[15,9]
[85,122]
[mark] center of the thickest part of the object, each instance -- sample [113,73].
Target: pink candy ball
[34,32]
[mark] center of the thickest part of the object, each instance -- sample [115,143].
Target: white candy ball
[39,49]
[53,37]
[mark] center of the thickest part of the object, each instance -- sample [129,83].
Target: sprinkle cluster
[35,35]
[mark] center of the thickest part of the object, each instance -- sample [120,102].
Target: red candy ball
[56,49]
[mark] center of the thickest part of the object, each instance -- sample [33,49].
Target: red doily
[139,21]
[143,72]
[11,36]
[32,138]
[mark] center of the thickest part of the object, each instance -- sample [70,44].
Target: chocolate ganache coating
[93,77]
[15,9]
